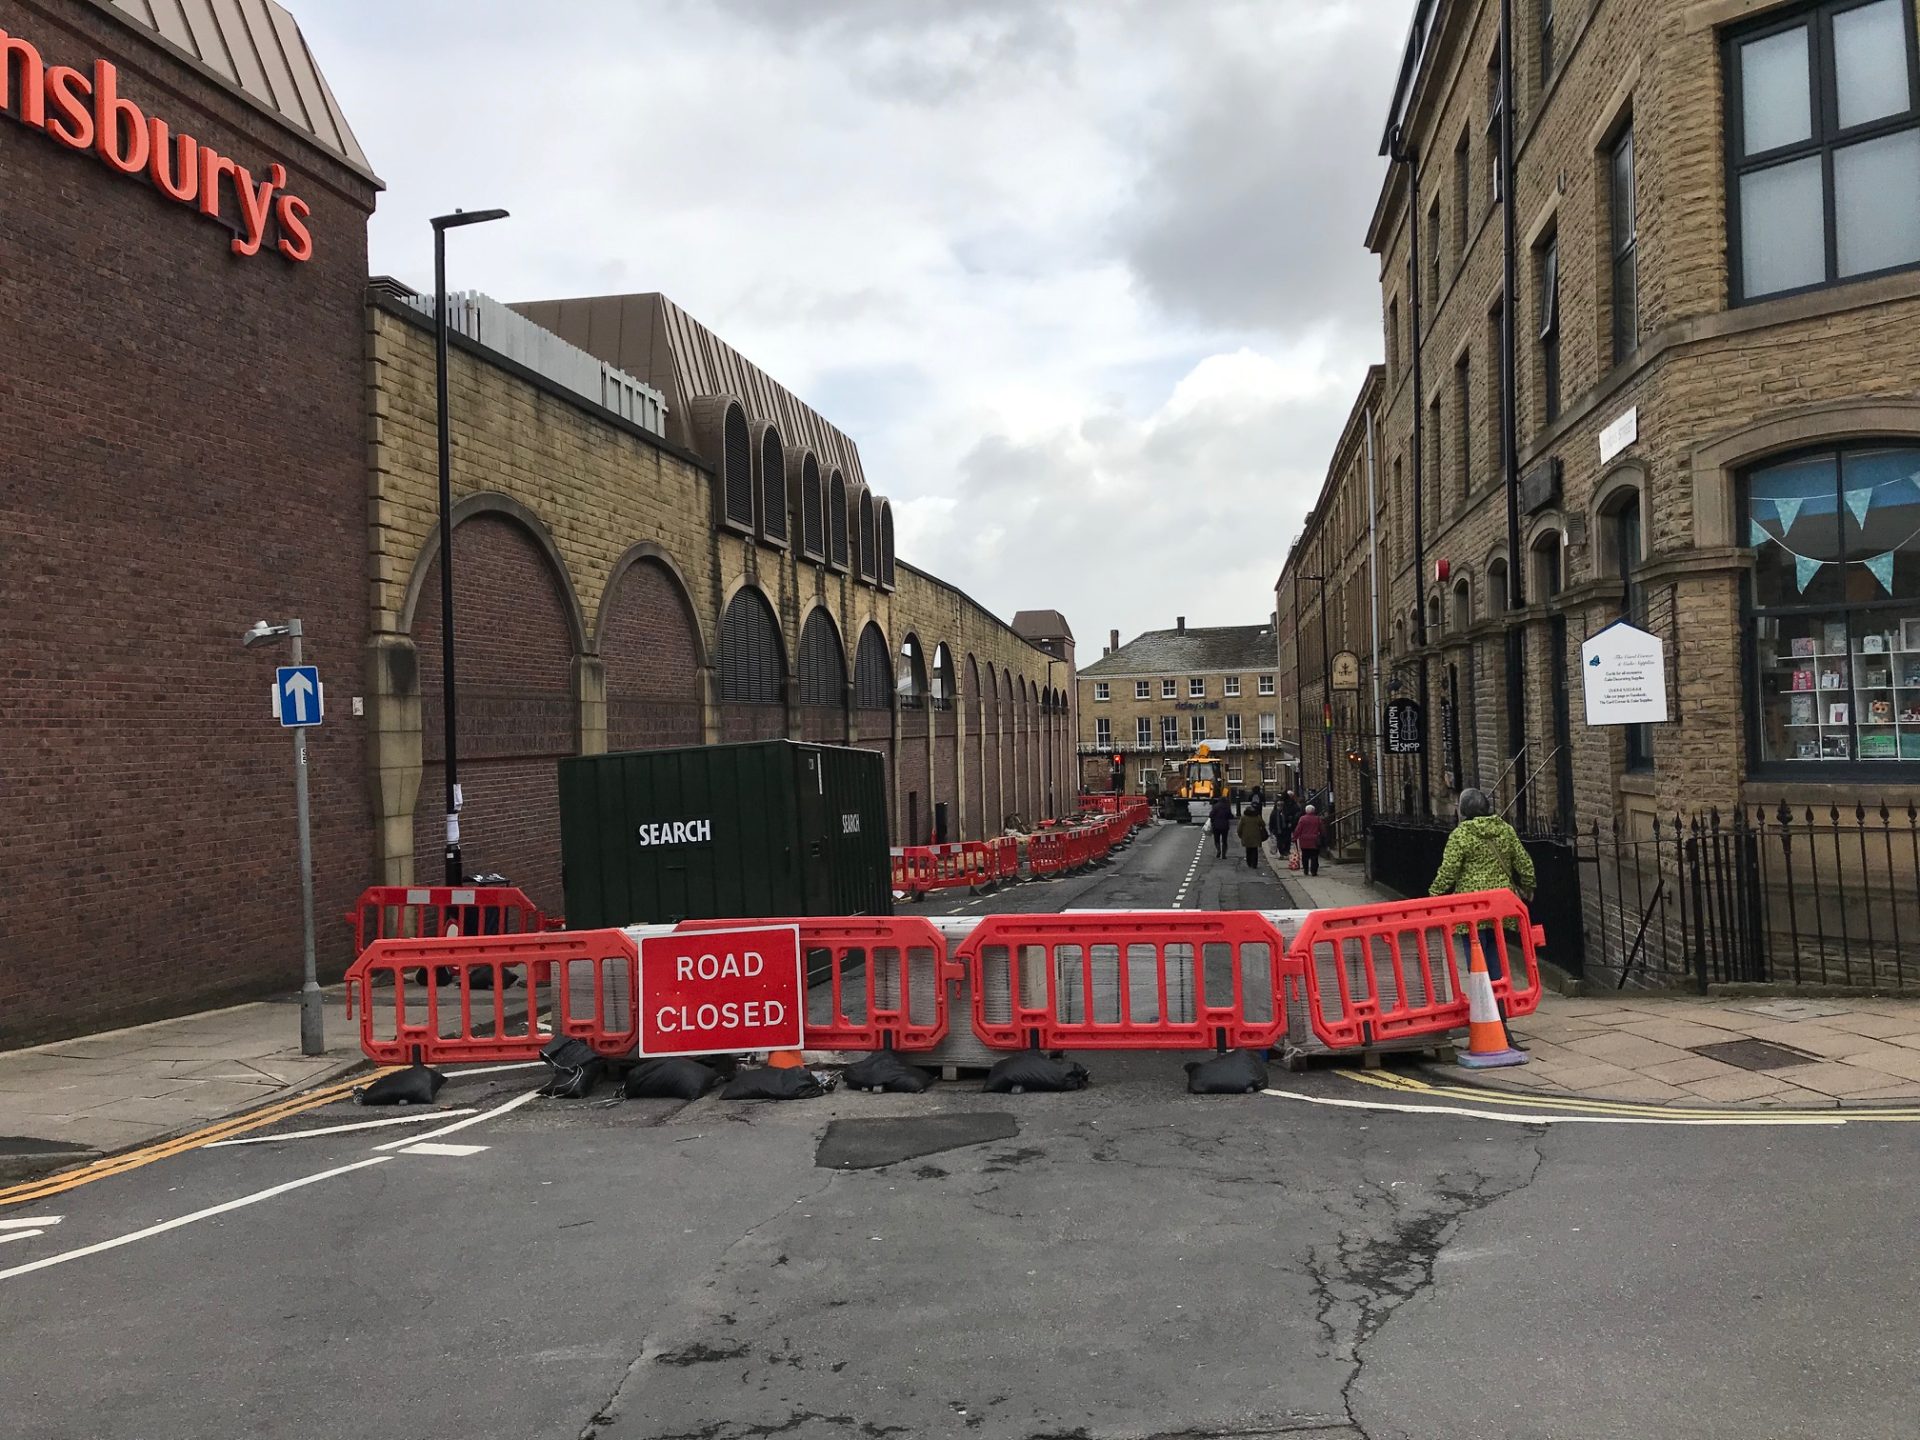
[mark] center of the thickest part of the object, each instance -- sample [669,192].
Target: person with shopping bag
[1310,834]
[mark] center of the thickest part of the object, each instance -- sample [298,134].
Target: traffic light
[1356,758]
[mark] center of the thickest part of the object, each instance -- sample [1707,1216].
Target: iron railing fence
[1770,894]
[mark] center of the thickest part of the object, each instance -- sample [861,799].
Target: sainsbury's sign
[88,112]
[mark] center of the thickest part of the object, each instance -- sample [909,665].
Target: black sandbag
[1035,1071]
[1238,1072]
[885,1070]
[766,1083]
[415,1085]
[576,1068]
[677,1078]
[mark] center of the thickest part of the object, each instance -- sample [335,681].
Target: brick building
[1159,697]
[1716,214]
[207,418]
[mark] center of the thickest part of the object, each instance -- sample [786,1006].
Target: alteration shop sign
[719,992]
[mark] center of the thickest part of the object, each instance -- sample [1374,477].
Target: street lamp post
[449,707]
[1326,683]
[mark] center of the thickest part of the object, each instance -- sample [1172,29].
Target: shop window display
[1835,607]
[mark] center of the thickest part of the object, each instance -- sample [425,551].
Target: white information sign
[1620,434]
[1626,676]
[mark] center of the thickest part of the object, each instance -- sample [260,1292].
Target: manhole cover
[1755,1054]
[868,1144]
[1793,1010]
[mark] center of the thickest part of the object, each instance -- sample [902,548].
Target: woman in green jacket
[1484,853]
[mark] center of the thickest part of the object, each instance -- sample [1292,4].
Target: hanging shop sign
[1626,676]
[86,111]
[1406,727]
[1346,671]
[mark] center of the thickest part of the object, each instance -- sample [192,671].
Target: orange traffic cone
[1487,1043]
[783,1059]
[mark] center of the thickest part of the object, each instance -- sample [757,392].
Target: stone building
[1328,599]
[207,420]
[1717,209]
[1159,697]
[1716,218]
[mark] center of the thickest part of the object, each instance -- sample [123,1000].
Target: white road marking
[343,1129]
[1559,1119]
[178,1222]
[13,1235]
[458,1125]
[452,1151]
[29,1222]
[494,1069]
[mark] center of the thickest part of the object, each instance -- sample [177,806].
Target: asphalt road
[1121,1263]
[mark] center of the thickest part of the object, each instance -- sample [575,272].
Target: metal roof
[1192,651]
[255,48]
[1042,624]
[650,337]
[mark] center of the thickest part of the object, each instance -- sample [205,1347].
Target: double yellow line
[110,1165]
[1407,1084]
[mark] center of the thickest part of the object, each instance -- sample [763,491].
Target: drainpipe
[1509,421]
[1373,606]
[1401,155]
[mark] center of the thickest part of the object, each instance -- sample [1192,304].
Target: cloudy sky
[1086,280]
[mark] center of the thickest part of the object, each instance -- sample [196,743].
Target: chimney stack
[1113,637]
[1180,625]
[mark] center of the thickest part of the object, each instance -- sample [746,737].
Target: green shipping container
[724,831]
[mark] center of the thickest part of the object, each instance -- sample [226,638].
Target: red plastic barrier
[1390,971]
[872,981]
[494,997]
[1049,855]
[1004,855]
[1148,981]
[428,911]
[920,869]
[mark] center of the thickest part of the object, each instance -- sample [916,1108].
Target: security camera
[261,633]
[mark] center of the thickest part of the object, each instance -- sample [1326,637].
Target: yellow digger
[1199,777]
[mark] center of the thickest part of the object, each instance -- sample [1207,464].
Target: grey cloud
[1250,208]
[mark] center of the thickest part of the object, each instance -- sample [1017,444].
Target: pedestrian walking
[1220,821]
[1310,834]
[1484,853]
[1253,833]
[1286,814]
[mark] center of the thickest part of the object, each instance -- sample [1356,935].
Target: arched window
[813,517]
[1462,603]
[773,486]
[1546,576]
[912,684]
[1622,548]
[872,674]
[886,544]
[736,468]
[837,519]
[1496,586]
[943,677]
[1434,627]
[823,665]
[869,542]
[753,668]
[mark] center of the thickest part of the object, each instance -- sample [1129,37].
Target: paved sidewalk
[1667,1049]
[124,1087]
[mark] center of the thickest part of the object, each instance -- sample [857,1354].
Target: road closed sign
[715,992]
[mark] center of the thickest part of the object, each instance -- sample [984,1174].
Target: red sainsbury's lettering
[85,112]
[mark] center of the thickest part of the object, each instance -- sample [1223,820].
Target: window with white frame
[1170,731]
[1233,687]
[1169,689]
[1142,731]
[1103,733]
[1266,684]
[1196,688]
[1199,728]
[1233,729]
[1142,690]
[1269,731]
[1102,690]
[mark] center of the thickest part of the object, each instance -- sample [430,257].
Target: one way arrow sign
[298,699]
